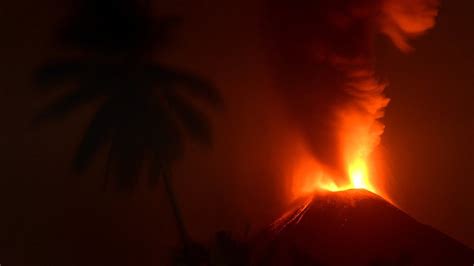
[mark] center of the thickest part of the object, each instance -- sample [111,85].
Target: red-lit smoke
[323,53]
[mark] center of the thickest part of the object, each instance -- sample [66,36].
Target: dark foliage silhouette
[225,250]
[145,108]
[402,260]
[194,254]
[229,250]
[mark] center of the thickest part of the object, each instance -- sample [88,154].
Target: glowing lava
[358,174]
[328,47]
[358,179]
[359,138]
[359,134]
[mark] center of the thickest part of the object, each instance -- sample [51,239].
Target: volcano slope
[354,227]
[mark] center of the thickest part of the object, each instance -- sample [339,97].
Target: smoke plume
[323,52]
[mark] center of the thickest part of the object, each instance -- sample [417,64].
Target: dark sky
[430,124]
[428,138]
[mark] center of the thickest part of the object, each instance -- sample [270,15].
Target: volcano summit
[354,227]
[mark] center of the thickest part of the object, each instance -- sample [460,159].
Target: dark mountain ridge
[355,227]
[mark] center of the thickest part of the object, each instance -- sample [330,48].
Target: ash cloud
[323,53]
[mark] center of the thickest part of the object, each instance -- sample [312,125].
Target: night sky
[242,180]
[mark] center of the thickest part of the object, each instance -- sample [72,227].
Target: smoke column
[323,54]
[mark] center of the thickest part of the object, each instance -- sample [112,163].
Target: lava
[358,178]
[327,53]
[359,170]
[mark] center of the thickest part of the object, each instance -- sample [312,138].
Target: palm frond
[165,142]
[165,135]
[192,84]
[99,131]
[131,140]
[57,73]
[127,163]
[66,104]
[193,120]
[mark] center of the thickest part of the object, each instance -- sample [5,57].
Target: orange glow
[358,175]
[311,176]
[359,178]
[407,18]
[356,122]
[359,132]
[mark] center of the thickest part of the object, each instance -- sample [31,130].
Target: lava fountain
[324,55]
[358,132]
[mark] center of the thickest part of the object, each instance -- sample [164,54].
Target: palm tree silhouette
[145,107]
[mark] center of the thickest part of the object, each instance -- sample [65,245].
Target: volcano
[354,227]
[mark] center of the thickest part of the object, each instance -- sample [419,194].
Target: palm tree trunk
[183,233]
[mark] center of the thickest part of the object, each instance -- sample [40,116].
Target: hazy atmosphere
[248,176]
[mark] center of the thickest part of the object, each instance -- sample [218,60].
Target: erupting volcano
[324,56]
[354,227]
[325,63]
